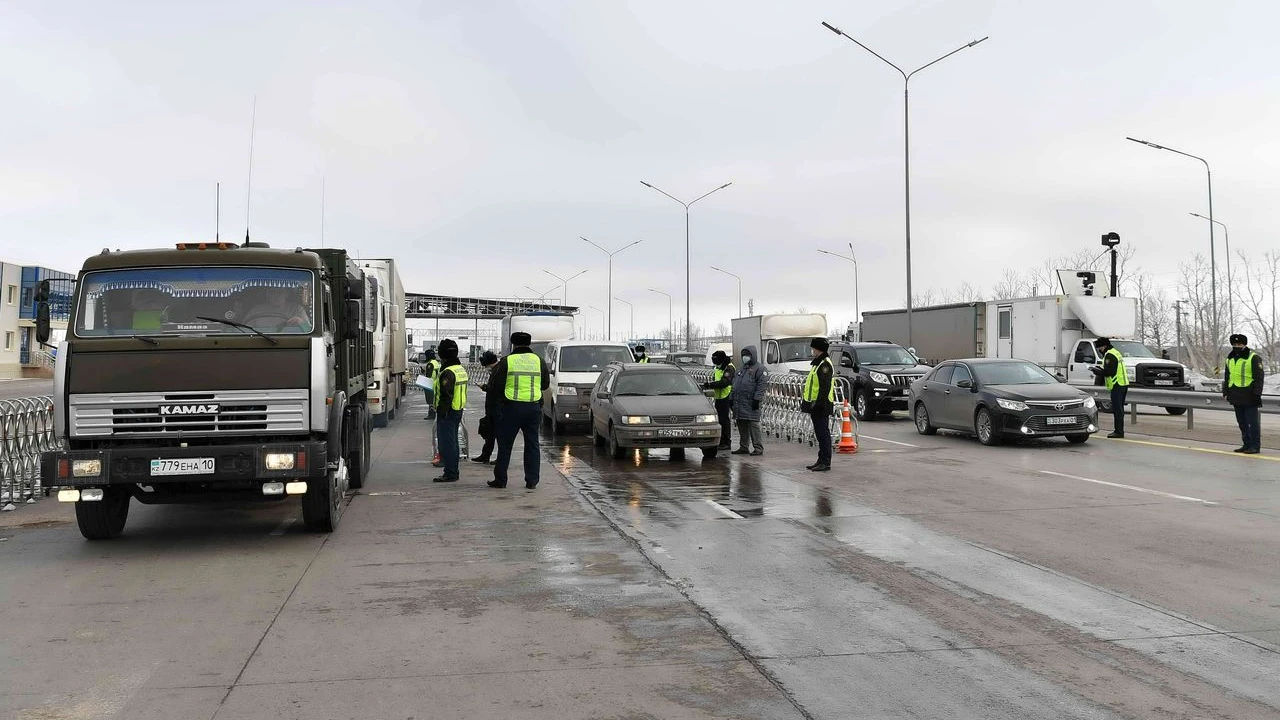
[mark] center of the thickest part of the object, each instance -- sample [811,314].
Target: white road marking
[722,509]
[1130,487]
[280,530]
[891,442]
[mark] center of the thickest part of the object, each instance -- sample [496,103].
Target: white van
[574,366]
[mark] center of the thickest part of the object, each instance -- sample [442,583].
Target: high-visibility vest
[459,387]
[1121,378]
[433,369]
[644,359]
[524,377]
[717,375]
[811,382]
[1240,371]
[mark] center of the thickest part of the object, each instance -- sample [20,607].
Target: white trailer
[544,327]
[390,341]
[782,339]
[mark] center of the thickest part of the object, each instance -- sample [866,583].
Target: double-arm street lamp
[1226,242]
[671,330]
[564,301]
[593,307]
[688,321]
[906,142]
[726,272]
[851,257]
[541,296]
[1213,264]
[610,286]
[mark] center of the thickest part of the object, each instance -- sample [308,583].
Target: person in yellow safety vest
[722,384]
[431,370]
[1242,387]
[819,400]
[1116,378]
[641,357]
[451,400]
[523,377]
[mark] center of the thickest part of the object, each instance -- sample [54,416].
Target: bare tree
[1256,296]
[1202,334]
[1156,327]
[722,330]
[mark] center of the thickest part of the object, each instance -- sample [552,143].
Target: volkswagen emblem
[1060,406]
[674,420]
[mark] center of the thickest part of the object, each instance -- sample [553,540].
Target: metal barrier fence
[1185,399]
[780,413]
[26,430]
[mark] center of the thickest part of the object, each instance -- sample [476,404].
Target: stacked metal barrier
[26,430]
[780,413]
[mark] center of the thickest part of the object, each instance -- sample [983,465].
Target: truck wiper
[241,326]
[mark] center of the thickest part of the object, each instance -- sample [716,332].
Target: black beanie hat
[820,344]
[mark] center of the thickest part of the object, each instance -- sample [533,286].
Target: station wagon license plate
[673,432]
[182,466]
[1062,420]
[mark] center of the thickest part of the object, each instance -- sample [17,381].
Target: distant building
[20,354]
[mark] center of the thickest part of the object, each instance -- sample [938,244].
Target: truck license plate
[1062,420]
[673,432]
[182,466]
[1164,382]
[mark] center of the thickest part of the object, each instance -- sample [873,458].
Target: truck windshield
[887,355]
[171,301]
[794,350]
[591,358]
[1130,348]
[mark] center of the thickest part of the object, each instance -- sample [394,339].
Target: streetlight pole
[610,284]
[857,306]
[1213,264]
[688,321]
[633,316]
[726,272]
[1177,323]
[1226,241]
[671,330]
[564,302]
[541,295]
[906,143]
[593,307]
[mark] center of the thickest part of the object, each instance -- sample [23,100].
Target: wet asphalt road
[924,577]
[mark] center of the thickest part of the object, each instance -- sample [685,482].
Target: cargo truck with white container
[1057,332]
[782,339]
[390,338]
[543,326]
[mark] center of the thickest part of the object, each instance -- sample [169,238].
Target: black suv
[875,376]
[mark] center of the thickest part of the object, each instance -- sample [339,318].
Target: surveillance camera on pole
[1111,240]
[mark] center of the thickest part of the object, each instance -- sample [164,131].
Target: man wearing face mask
[641,356]
[818,400]
[748,392]
[722,385]
[1242,387]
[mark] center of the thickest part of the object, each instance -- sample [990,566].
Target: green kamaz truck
[212,372]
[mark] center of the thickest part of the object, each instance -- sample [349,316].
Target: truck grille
[1159,375]
[238,412]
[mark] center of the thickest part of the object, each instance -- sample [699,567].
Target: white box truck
[783,340]
[390,340]
[543,326]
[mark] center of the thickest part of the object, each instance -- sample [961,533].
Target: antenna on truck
[248,194]
[217,210]
[322,182]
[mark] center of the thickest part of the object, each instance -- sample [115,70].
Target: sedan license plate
[1164,382]
[1062,420]
[673,432]
[182,466]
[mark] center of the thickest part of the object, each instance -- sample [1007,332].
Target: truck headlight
[880,377]
[86,468]
[564,390]
[278,461]
[1130,373]
[635,419]
[708,418]
[1089,403]
[1015,405]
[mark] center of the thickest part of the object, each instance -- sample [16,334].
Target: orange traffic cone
[847,443]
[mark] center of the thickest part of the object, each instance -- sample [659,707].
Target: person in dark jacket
[722,384]
[518,381]
[749,385]
[1116,378]
[818,401]
[453,381]
[1242,387]
[488,427]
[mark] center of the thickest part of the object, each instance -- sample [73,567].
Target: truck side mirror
[771,353]
[43,330]
[351,320]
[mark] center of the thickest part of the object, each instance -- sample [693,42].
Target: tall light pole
[565,298]
[1213,265]
[593,307]
[610,286]
[857,306]
[906,143]
[1226,242]
[542,295]
[1177,324]
[633,316]
[726,272]
[688,321]
[671,330]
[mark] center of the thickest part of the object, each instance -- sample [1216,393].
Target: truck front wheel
[105,518]
[322,503]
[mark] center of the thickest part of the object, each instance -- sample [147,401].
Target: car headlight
[566,390]
[880,377]
[708,418]
[1015,405]
[1130,373]
[635,419]
[1089,403]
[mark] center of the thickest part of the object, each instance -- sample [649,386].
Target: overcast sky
[476,141]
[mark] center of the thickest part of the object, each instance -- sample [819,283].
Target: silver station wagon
[652,405]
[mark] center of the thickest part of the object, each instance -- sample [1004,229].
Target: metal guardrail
[1186,399]
[780,413]
[26,430]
